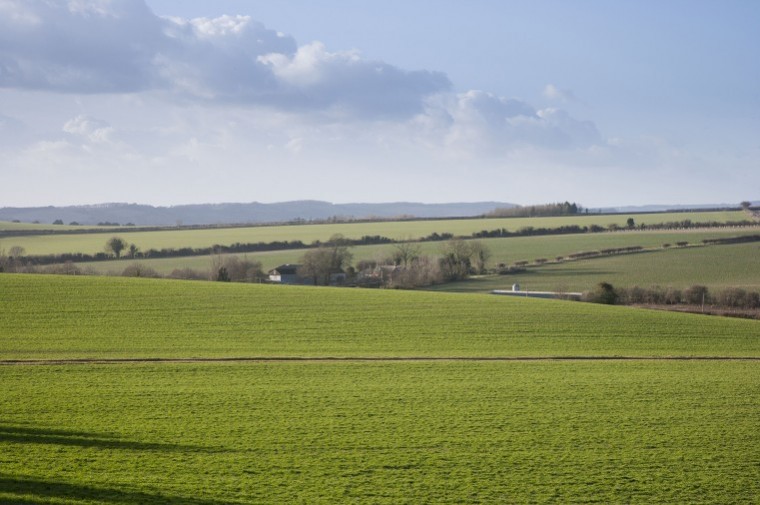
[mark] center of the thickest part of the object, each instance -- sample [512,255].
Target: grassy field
[94,242]
[717,267]
[504,250]
[95,317]
[11,226]
[383,433]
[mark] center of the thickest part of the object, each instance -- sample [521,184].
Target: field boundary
[283,359]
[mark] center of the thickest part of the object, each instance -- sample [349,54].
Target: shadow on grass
[36,492]
[24,434]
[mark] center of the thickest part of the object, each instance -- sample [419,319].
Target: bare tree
[456,261]
[234,269]
[405,252]
[422,271]
[321,263]
[480,254]
[16,251]
[137,269]
[243,270]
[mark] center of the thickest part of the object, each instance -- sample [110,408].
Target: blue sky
[167,101]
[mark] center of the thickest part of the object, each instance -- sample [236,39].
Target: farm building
[286,274]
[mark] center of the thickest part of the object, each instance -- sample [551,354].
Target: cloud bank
[115,46]
[120,46]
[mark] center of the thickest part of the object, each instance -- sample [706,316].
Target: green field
[11,226]
[504,250]
[95,317]
[176,238]
[386,432]
[717,266]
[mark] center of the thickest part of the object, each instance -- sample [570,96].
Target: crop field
[11,226]
[718,267]
[367,428]
[385,433]
[96,317]
[504,250]
[91,243]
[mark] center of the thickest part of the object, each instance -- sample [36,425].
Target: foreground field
[176,238]
[582,432]
[94,317]
[649,430]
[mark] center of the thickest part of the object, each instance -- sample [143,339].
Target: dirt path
[282,359]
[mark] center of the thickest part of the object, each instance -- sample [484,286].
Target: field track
[269,359]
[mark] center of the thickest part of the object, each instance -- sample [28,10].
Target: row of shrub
[688,223]
[732,240]
[519,265]
[697,295]
[528,231]
[221,268]
[605,252]
[235,248]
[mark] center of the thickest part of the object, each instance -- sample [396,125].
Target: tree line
[545,210]
[694,296]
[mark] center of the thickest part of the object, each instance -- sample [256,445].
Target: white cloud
[553,93]
[110,46]
[95,130]
[295,145]
[477,123]
[18,13]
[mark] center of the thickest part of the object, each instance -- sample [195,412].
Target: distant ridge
[665,208]
[233,213]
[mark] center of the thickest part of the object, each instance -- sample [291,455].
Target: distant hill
[233,213]
[632,209]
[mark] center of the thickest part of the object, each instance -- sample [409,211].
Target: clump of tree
[115,245]
[137,269]
[545,210]
[405,253]
[603,293]
[326,261]
[419,272]
[133,250]
[16,252]
[461,258]
[13,260]
[696,295]
[230,268]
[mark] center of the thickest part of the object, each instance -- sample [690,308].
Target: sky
[169,102]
